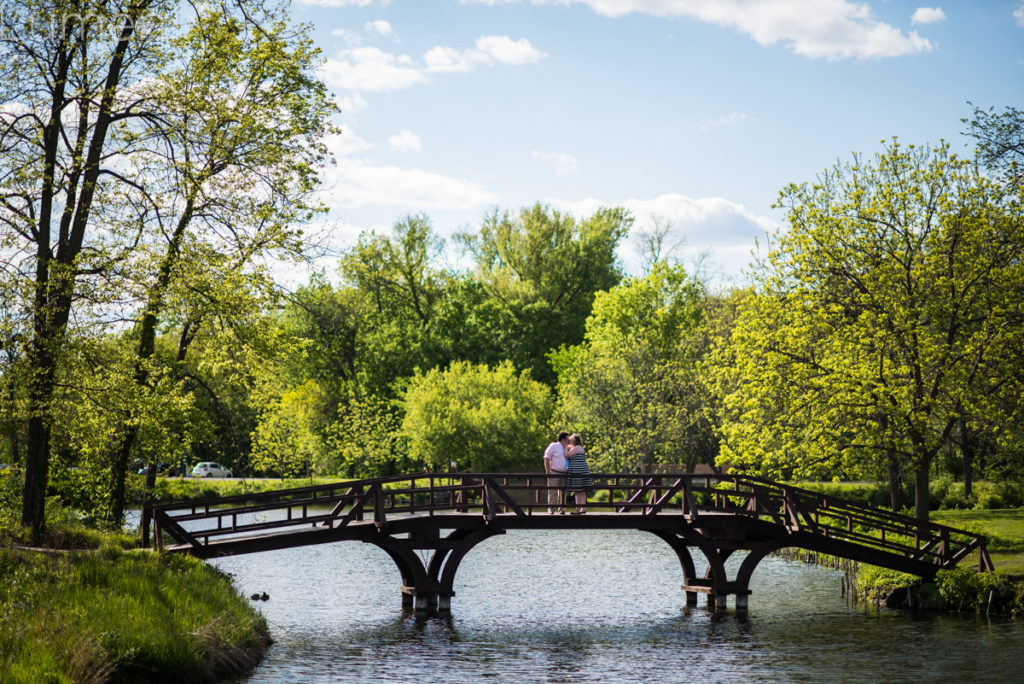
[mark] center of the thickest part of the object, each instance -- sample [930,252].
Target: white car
[210,469]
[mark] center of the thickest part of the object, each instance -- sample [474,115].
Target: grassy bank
[962,589]
[180,488]
[1004,529]
[120,615]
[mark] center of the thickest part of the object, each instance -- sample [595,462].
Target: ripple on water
[582,606]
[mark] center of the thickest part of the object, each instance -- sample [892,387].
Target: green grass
[115,615]
[1003,527]
[177,489]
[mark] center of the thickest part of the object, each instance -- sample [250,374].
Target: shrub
[990,500]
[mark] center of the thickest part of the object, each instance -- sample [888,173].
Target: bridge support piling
[426,601]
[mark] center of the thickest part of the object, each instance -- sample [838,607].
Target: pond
[584,606]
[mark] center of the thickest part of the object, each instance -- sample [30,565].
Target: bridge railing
[201,523]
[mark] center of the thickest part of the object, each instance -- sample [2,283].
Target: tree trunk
[37,468]
[896,498]
[118,475]
[144,352]
[42,367]
[921,480]
[967,454]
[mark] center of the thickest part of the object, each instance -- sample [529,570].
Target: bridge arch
[715,582]
[431,585]
[718,514]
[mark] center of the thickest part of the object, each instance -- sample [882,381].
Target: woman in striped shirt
[578,481]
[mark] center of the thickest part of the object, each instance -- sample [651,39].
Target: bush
[873,494]
[990,500]
[482,418]
[1012,493]
[963,589]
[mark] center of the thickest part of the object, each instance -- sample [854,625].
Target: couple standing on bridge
[565,462]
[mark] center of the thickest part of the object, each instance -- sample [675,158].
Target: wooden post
[145,526]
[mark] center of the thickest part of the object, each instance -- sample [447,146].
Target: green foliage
[366,441]
[396,288]
[284,442]
[882,317]
[10,501]
[545,267]
[878,581]
[126,616]
[633,387]
[870,493]
[1000,138]
[962,588]
[478,417]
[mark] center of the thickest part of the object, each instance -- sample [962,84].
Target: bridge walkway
[445,515]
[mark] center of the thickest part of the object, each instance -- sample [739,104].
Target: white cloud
[351,103]
[405,141]
[350,37]
[725,232]
[380,27]
[14,108]
[489,49]
[1018,14]
[507,51]
[442,59]
[371,69]
[347,143]
[928,15]
[733,118]
[829,29]
[562,163]
[326,241]
[704,221]
[355,183]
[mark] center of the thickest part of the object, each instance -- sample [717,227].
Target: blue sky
[694,113]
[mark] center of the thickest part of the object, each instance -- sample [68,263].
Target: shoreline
[102,614]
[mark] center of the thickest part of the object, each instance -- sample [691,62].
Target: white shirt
[555,455]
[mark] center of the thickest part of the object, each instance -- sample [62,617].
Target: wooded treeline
[149,173]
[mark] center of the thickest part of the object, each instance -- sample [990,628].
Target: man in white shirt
[555,465]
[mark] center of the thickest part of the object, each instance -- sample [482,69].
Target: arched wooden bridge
[448,514]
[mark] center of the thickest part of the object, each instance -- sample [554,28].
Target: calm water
[585,606]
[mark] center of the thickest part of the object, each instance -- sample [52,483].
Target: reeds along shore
[958,590]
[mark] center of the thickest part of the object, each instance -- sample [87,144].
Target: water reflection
[582,606]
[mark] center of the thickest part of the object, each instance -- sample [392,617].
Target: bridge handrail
[648,494]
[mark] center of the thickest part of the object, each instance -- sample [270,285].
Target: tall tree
[238,122]
[65,68]
[883,315]
[545,267]
[478,417]
[634,384]
[92,156]
[398,284]
[1000,138]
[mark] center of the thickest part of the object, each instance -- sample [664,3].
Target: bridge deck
[449,513]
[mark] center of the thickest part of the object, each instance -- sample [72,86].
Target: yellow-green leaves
[882,318]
